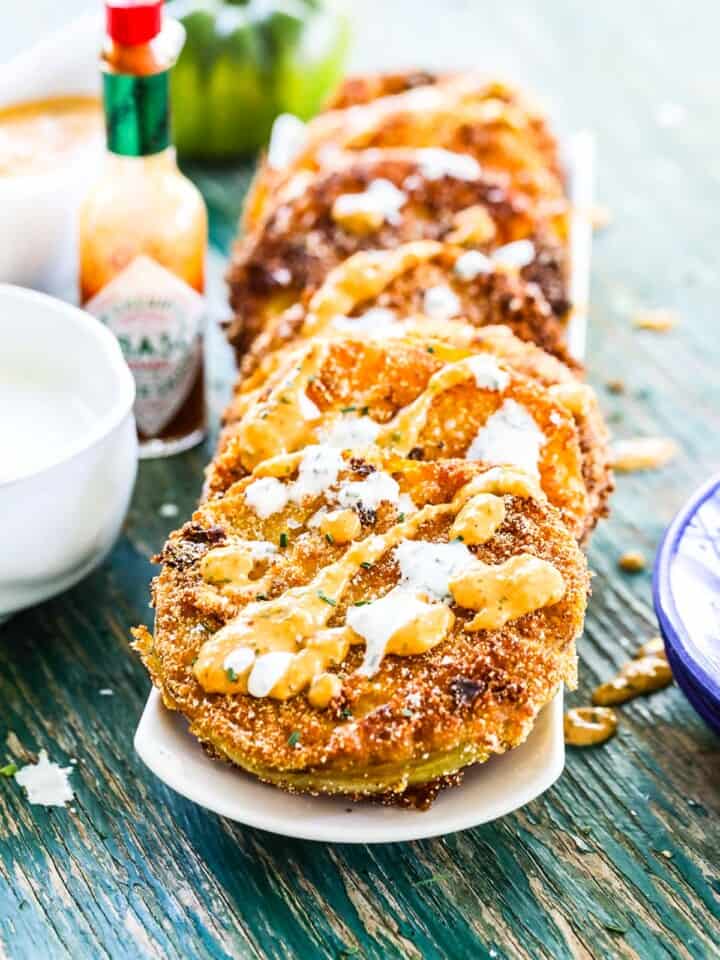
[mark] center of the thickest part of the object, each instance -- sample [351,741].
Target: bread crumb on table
[659,320]
[643,453]
[632,561]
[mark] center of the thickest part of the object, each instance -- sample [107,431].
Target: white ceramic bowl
[38,212]
[61,515]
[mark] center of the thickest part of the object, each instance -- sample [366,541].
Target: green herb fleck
[326,599]
[365,411]
[435,878]
[458,539]
[366,565]
[346,713]
[396,436]
[9,770]
[348,409]
[361,603]
[616,926]
[261,596]
[285,400]
[431,349]
[330,538]
[283,540]
[401,517]
[294,738]
[231,675]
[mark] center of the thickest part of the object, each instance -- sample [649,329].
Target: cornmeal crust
[384,377]
[468,113]
[290,253]
[420,718]
[397,279]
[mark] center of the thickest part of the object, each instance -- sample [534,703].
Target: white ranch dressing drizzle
[369,493]
[516,255]
[428,567]
[440,303]
[381,197]
[268,669]
[266,496]
[309,410]
[239,660]
[488,374]
[376,323]
[510,436]
[260,549]
[349,432]
[378,621]
[318,470]
[46,782]
[436,163]
[472,264]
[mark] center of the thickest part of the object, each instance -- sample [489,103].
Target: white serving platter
[488,791]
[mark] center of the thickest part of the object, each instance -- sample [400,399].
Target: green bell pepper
[246,61]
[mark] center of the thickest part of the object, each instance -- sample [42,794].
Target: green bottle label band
[137,114]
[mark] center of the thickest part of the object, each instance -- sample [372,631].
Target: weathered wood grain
[620,858]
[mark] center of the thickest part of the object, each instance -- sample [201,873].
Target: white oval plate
[488,791]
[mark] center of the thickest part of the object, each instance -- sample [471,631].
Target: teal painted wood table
[620,858]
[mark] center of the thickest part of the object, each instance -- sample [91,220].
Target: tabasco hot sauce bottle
[143,233]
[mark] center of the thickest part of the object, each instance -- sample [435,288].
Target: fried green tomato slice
[362,88]
[378,199]
[422,398]
[465,113]
[425,638]
[380,293]
[564,379]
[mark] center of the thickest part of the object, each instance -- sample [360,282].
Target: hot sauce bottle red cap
[132,22]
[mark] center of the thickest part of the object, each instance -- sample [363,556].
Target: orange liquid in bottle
[143,240]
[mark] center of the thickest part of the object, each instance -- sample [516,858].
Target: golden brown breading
[355,385]
[420,717]
[466,113]
[397,280]
[557,373]
[363,87]
[288,256]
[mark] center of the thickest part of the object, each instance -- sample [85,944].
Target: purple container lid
[686,594]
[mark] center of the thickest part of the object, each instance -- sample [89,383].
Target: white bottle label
[158,320]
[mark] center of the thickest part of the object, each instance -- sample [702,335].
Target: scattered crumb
[600,216]
[643,453]
[670,115]
[654,647]
[106,692]
[169,510]
[632,561]
[45,782]
[667,854]
[659,320]
[589,726]
[615,386]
